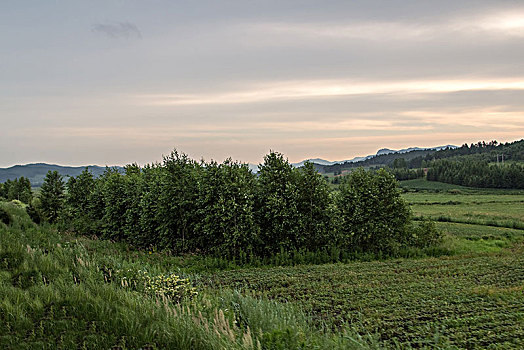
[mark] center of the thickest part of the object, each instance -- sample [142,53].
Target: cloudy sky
[114,82]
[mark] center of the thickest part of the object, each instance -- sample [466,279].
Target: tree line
[474,173]
[224,209]
[19,189]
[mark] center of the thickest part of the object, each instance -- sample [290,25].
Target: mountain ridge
[381,151]
[36,172]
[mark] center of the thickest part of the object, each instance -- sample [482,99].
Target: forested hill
[36,172]
[477,152]
[377,160]
[482,151]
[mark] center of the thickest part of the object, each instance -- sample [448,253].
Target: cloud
[476,25]
[119,30]
[289,90]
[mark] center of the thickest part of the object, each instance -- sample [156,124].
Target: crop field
[472,298]
[480,207]
[469,301]
[468,294]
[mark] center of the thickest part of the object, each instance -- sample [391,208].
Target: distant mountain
[406,150]
[37,172]
[314,160]
[382,151]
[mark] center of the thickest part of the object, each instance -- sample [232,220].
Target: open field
[471,296]
[418,185]
[423,184]
[470,301]
[475,207]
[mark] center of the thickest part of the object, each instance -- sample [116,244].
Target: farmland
[472,297]
[467,292]
[501,208]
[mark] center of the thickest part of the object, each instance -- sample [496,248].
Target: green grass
[502,210]
[472,302]
[418,185]
[471,239]
[423,184]
[64,292]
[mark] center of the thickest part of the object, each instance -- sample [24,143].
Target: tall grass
[55,294]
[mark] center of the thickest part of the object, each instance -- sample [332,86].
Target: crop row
[472,302]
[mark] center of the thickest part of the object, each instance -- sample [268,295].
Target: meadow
[470,297]
[452,203]
[61,290]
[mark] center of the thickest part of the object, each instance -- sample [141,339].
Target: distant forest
[484,165]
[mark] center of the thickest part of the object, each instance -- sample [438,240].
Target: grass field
[470,302]
[55,292]
[423,184]
[474,207]
[64,292]
[472,298]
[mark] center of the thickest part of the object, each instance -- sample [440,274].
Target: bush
[170,286]
[5,217]
[425,234]
[10,260]
[373,215]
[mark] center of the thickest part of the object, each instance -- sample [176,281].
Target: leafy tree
[399,163]
[149,221]
[19,189]
[78,200]
[226,209]
[316,209]
[52,196]
[79,191]
[113,186]
[177,202]
[373,215]
[276,205]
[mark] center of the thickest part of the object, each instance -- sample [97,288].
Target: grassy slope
[486,207]
[472,299]
[56,293]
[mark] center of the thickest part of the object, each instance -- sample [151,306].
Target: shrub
[425,234]
[5,217]
[373,215]
[170,286]
[10,260]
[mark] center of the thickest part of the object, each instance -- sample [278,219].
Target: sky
[116,82]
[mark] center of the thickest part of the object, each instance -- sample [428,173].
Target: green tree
[226,209]
[316,209]
[79,191]
[177,203]
[52,196]
[373,215]
[76,213]
[113,185]
[19,189]
[276,205]
[399,163]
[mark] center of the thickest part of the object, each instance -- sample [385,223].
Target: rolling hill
[36,172]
